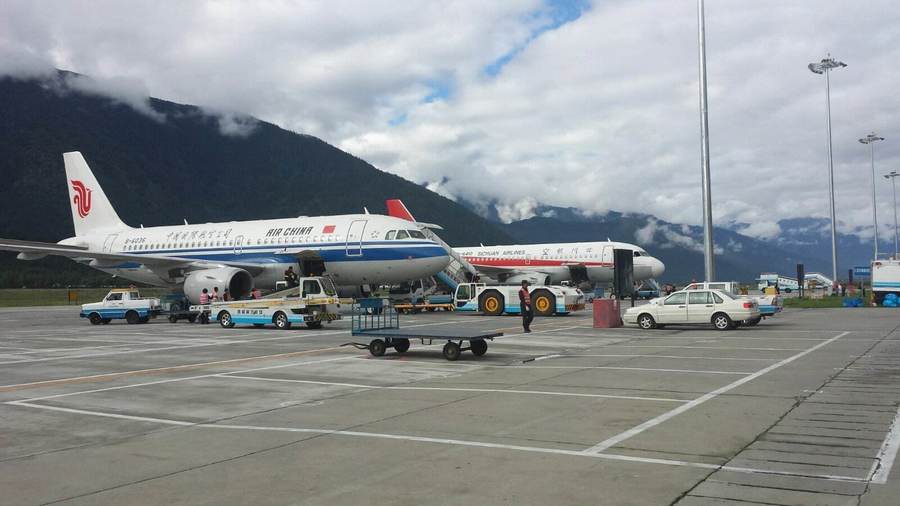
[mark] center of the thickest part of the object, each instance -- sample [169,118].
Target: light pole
[871,139]
[824,67]
[893,177]
[709,261]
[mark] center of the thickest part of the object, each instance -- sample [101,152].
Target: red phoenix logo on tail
[82,199]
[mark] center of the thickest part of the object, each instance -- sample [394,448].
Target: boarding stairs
[458,270]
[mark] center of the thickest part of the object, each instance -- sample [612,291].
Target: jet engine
[534,278]
[238,282]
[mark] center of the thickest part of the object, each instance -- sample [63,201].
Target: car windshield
[328,286]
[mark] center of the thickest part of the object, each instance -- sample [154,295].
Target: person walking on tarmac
[527,309]
[204,297]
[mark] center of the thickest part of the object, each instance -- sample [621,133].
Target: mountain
[160,162]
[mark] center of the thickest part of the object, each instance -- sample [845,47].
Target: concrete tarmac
[802,409]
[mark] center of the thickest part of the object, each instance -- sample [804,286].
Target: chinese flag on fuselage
[328,229]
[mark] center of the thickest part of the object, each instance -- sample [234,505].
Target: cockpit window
[390,235]
[401,234]
[637,253]
[415,234]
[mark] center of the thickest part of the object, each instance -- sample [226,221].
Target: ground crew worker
[290,277]
[226,296]
[525,304]
[255,293]
[215,295]
[204,297]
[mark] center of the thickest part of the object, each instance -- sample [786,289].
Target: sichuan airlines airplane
[547,263]
[351,249]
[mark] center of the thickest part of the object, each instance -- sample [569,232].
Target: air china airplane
[351,249]
[547,263]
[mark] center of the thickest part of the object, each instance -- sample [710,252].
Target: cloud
[128,91]
[235,124]
[588,105]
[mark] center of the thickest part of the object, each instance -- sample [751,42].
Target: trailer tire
[281,321]
[401,345]
[225,320]
[491,303]
[544,302]
[132,317]
[95,318]
[377,347]
[479,347]
[173,318]
[452,351]
[314,325]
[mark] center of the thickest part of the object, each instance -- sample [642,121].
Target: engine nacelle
[238,282]
[533,278]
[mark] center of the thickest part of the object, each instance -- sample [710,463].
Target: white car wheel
[722,321]
[646,322]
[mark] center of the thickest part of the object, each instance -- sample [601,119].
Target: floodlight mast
[871,139]
[709,261]
[824,67]
[893,177]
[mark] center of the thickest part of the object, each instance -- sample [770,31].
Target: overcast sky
[585,104]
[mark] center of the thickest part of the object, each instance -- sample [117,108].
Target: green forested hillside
[158,172]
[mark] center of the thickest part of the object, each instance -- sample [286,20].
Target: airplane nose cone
[657,268]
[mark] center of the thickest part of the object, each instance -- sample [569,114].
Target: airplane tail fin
[397,209]
[91,210]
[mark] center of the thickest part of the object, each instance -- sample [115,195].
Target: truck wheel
[132,317]
[646,322]
[225,320]
[544,302]
[314,325]
[377,347]
[451,351]
[401,345]
[479,347]
[173,318]
[281,321]
[492,303]
[95,319]
[722,321]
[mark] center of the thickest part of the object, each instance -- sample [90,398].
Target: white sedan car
[691,307]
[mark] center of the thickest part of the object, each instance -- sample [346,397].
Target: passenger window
[698,298]
[114,296]
[390,235]
[676,299]
[401,234]
[717,298]
[134,295]
[415,234]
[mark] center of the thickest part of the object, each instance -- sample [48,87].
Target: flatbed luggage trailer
[378,319]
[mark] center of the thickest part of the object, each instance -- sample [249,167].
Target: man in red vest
[525,304]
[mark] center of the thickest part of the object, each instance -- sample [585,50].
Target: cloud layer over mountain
[521,102]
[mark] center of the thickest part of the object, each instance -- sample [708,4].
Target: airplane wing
[151,261]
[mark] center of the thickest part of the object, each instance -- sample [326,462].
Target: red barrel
[606,314]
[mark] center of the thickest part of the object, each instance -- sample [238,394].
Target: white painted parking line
[702,347]
[599,355]
[451,389]
[176,380]
[444,441]
[881,469]
[617,368]
[610,442]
